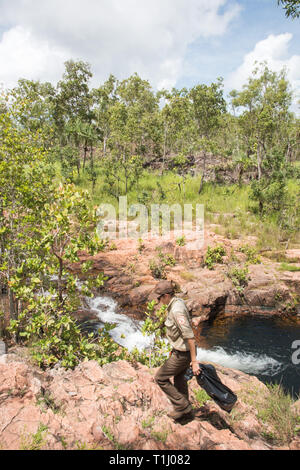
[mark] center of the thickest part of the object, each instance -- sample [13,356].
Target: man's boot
[179,414]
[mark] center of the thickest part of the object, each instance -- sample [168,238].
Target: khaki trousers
[176,367]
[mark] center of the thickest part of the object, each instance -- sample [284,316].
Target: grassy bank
[228,207]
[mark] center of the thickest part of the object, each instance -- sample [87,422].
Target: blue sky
[169,42]
[209,58]
[257,20]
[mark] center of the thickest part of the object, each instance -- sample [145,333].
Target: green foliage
[43,227]
[160,435]
[54,337]
[239,277]
[167,260]
[35,441]
[277,412]
[265,121]
[148,423]
[45,401]
[181,241]
[201,396]
[289,267]
[141,245]
[291,7]
[251,254]
[154,326]
[214,255]
[157,269]
[271,190]
[110,436]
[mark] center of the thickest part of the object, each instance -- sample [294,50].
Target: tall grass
[275,411]
[227,206]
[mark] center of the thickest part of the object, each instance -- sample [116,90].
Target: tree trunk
[104,147]
[165,148]
[289,153]
[259,161]
[59,280]
[203,172]
[12,307]
[84,155]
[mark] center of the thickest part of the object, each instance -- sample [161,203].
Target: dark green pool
[257,345]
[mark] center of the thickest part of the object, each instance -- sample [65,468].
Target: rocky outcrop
[119,406]
[269,290]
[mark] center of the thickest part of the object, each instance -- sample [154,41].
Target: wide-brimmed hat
[162,288]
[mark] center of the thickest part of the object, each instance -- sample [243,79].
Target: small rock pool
[258,345]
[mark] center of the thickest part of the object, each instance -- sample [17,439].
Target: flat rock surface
[119,406]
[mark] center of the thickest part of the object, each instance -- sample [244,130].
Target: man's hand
[194,363]
[195,367]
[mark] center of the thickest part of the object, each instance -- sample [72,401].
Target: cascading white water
[249,363]
[128,333]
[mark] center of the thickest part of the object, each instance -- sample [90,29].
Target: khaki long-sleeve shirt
[179,325]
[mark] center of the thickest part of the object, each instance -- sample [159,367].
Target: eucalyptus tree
[38,106]
[291,7]
[209,107]
[103,98]
[264,103]
[73,104]
[141,103]
[130,109]
[121,167]
[178,123]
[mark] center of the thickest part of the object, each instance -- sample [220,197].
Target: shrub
[239,277]
[181,241]
[154,326]
[157,270]
[141,245]
[214,255]
[251,254]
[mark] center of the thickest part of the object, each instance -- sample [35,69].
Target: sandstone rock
[92,371]
[295,445]
[13,378]
[127,432]
[3,359]
[211,293]
[140,294]
[97,432]
[120,371]
[118,404]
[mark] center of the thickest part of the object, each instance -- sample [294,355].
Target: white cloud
[275,51]
[22,55]
[115,36]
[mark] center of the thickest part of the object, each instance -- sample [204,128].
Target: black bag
[210,382]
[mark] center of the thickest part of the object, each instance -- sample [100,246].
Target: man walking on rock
[181,337]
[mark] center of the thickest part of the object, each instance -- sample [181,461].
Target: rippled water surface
[261,346]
